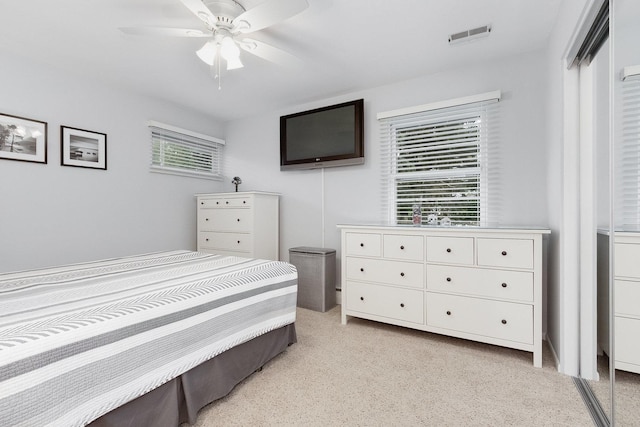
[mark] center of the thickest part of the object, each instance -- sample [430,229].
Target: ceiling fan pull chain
[219,73]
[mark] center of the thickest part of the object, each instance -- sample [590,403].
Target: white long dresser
[481,284]
[626,292]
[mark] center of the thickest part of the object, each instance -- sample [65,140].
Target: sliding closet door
[588,61]
[626,190]
[594,226]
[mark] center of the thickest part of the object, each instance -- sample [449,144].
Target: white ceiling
[343,45]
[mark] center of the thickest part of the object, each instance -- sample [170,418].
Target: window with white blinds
[627,186]
[182,152]
[443,158]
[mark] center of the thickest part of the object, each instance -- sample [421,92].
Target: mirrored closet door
[590,70]
[601,384]
[625,271]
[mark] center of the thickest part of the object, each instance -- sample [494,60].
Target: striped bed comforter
[80,340]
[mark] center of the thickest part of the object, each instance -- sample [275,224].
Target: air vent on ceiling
[469,35]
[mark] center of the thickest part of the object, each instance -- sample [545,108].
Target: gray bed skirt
[179,400]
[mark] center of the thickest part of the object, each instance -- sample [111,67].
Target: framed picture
[83,148]
[23,139]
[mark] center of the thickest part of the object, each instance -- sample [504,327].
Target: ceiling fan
[227,22]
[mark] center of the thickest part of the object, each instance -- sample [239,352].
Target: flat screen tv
[324,137]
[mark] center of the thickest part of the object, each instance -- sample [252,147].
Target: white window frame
[191,142]
[429,114]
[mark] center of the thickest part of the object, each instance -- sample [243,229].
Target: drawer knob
[202,203]
[362,245]
[402,304]
[206,240]
[217,203]
[448,313]
[361,298]
[448,279]
[504,253]
[226,202]
[402,274]
[361,269]
[238,220]
[504,322]
[449,250]
[402,247]
[504,285]
[244,201]
[206,219]
[238,241]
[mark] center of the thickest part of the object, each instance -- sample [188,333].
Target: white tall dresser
[474,283]
[243,224]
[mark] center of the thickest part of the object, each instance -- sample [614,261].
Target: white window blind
[627,201]
[442,157]
[182,152]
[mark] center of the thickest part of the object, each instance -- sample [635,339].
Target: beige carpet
[371,374]
[627,394]
[627,398]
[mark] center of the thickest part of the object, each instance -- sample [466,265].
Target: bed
[141,340]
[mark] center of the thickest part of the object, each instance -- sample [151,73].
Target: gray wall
[55,214]
[352,194]
[50,214]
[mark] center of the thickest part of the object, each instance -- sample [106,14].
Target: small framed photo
[23,139]
[83,148]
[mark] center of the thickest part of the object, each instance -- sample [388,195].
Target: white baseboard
[555,355]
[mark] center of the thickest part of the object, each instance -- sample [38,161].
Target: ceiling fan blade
[200,10]
[270,53]
[268,13]
[164,31]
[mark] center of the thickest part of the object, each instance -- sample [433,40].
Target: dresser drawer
[225,220]
[500,284]
[627,260]
[403,247]
[364,244]
[627,297]
[236,242]
[389,272]
[227,202]
[238,202]
[384,301]
[626,340]
[451,250]
[495,319]
[510,253]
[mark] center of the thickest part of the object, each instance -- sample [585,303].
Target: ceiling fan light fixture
[207,53]
[229,49]
[234,63]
